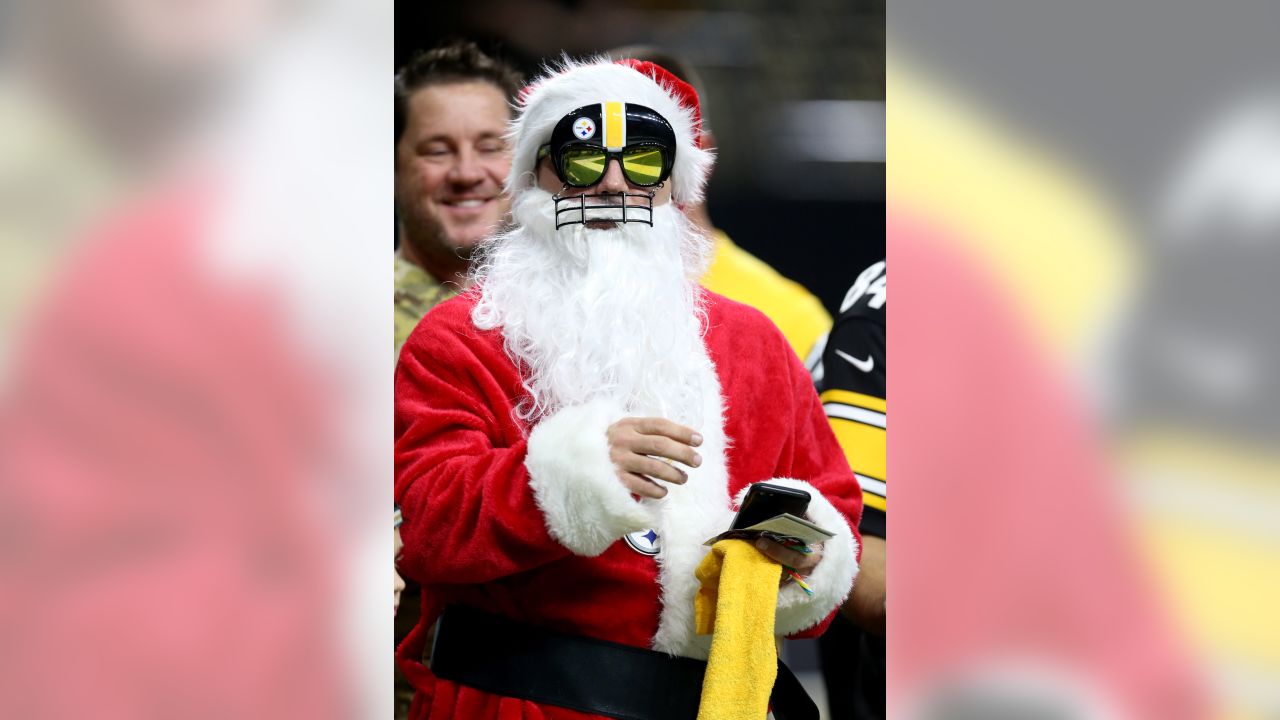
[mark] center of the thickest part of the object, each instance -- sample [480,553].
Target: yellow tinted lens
[642,165]
[583,166]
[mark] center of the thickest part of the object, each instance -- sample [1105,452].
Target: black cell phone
[766,501]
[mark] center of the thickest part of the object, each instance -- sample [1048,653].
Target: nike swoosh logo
[864,365]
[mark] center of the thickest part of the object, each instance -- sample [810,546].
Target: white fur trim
[573,84]
[587,509]
[575,484]
[688,516]
[831,580]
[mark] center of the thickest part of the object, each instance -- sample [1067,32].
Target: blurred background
[794,94]
[1082,214]
[1095,184]
[194,423]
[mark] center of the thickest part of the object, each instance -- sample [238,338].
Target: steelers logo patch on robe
[645,542]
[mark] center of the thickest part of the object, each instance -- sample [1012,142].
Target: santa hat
[574,84]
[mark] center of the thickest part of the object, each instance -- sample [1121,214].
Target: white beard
[591,314]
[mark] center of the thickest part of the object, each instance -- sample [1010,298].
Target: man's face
[451,163]
[612,182]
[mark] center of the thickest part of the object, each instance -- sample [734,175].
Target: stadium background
[794,93]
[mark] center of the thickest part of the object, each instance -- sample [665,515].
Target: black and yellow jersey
[851,381]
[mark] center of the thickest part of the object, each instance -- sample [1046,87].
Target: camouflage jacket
[416,293]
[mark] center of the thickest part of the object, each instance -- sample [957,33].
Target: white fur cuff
[575,484]
[831,580]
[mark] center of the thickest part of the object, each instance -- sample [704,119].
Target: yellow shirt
[739,275]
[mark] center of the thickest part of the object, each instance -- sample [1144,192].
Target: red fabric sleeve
[461,483]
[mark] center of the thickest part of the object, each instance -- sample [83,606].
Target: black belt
[504,657]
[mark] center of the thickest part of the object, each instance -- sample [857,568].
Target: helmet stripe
[615,130]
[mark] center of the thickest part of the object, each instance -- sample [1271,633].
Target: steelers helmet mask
[587,139]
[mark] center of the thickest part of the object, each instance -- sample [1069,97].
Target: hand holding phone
[764,503]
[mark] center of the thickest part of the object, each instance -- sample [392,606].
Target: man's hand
[635,446]
[802,563]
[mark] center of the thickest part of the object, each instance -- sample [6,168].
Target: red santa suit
[532,523]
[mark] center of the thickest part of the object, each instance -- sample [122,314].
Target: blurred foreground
[194,476]
[1083,217]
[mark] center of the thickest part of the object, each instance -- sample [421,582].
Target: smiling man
[452,106]
[563,429]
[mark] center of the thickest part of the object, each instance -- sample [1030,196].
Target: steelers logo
[645,542]
[584,128]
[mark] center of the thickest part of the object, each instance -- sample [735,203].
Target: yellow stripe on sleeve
[614,135]
[874,501]
[848,397]
[863,445]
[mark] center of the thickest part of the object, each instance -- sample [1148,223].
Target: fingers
[638,446]
[656,437]
[802,563]
[780,554]
[666,428]
[642,486]
[656,469]
[660,446]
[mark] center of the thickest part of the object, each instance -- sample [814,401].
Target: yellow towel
[737,599]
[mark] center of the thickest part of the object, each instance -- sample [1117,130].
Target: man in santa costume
[571,432]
